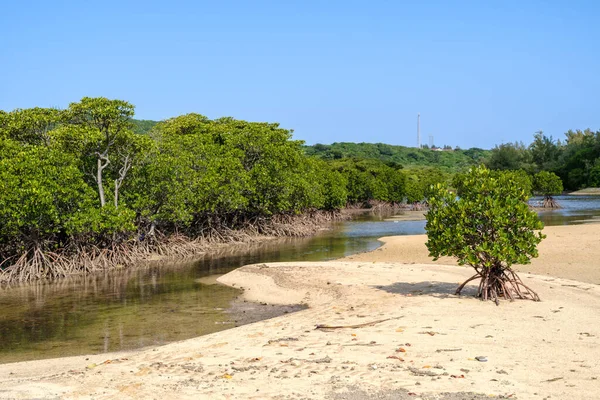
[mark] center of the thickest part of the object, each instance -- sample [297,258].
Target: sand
[401,334]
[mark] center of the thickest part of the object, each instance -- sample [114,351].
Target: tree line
[576,159]
[551,165]
[89,187]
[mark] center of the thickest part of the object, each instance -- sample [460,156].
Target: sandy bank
[570,251]
[422,340]
[586,192]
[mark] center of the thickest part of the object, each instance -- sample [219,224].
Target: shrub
[488,227]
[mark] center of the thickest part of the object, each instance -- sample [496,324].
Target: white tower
[419,130]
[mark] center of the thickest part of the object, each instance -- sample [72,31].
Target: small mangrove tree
[489,227]
[547,184]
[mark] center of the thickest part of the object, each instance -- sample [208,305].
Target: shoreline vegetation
[179,247]
[81,190]
[135,253]
[174,248]
[89,187]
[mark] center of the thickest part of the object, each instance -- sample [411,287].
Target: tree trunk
[99,182]
[119,181]
[116,194]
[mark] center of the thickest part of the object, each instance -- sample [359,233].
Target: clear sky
[479,72]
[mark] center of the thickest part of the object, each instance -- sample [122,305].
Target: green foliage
[335,187]
[371,180]
[273,164]
[98,130]
[9,148]
[105,115]
[29,126]
[41,192]
[510,156]
[142,126]
[578,157]
[419,181]
[186,175]
[203,167]
[92,175]
[488,226]
[574,160]
[594,175]
[101,225]
[522,178]
[544,152]
[86,176]
[448,160]
[547,183]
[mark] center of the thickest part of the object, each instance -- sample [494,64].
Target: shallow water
[157,305]
[574,210]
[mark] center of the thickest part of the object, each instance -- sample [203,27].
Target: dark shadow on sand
[429,288]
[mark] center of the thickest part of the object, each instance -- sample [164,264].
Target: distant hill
[143,126]
[449,159]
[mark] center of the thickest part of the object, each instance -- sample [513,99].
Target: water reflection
[156,304]
[574,210]
[108,313]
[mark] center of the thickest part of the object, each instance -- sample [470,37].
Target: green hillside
[449,159]
[143,126]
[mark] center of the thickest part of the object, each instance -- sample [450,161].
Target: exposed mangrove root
[500,282]
[37,264]
[384,207]
[34,264]
[378,206]
[549,202]
[418,206]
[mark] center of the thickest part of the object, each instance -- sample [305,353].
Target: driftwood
[325,327]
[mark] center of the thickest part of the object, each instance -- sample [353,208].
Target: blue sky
[479,72]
